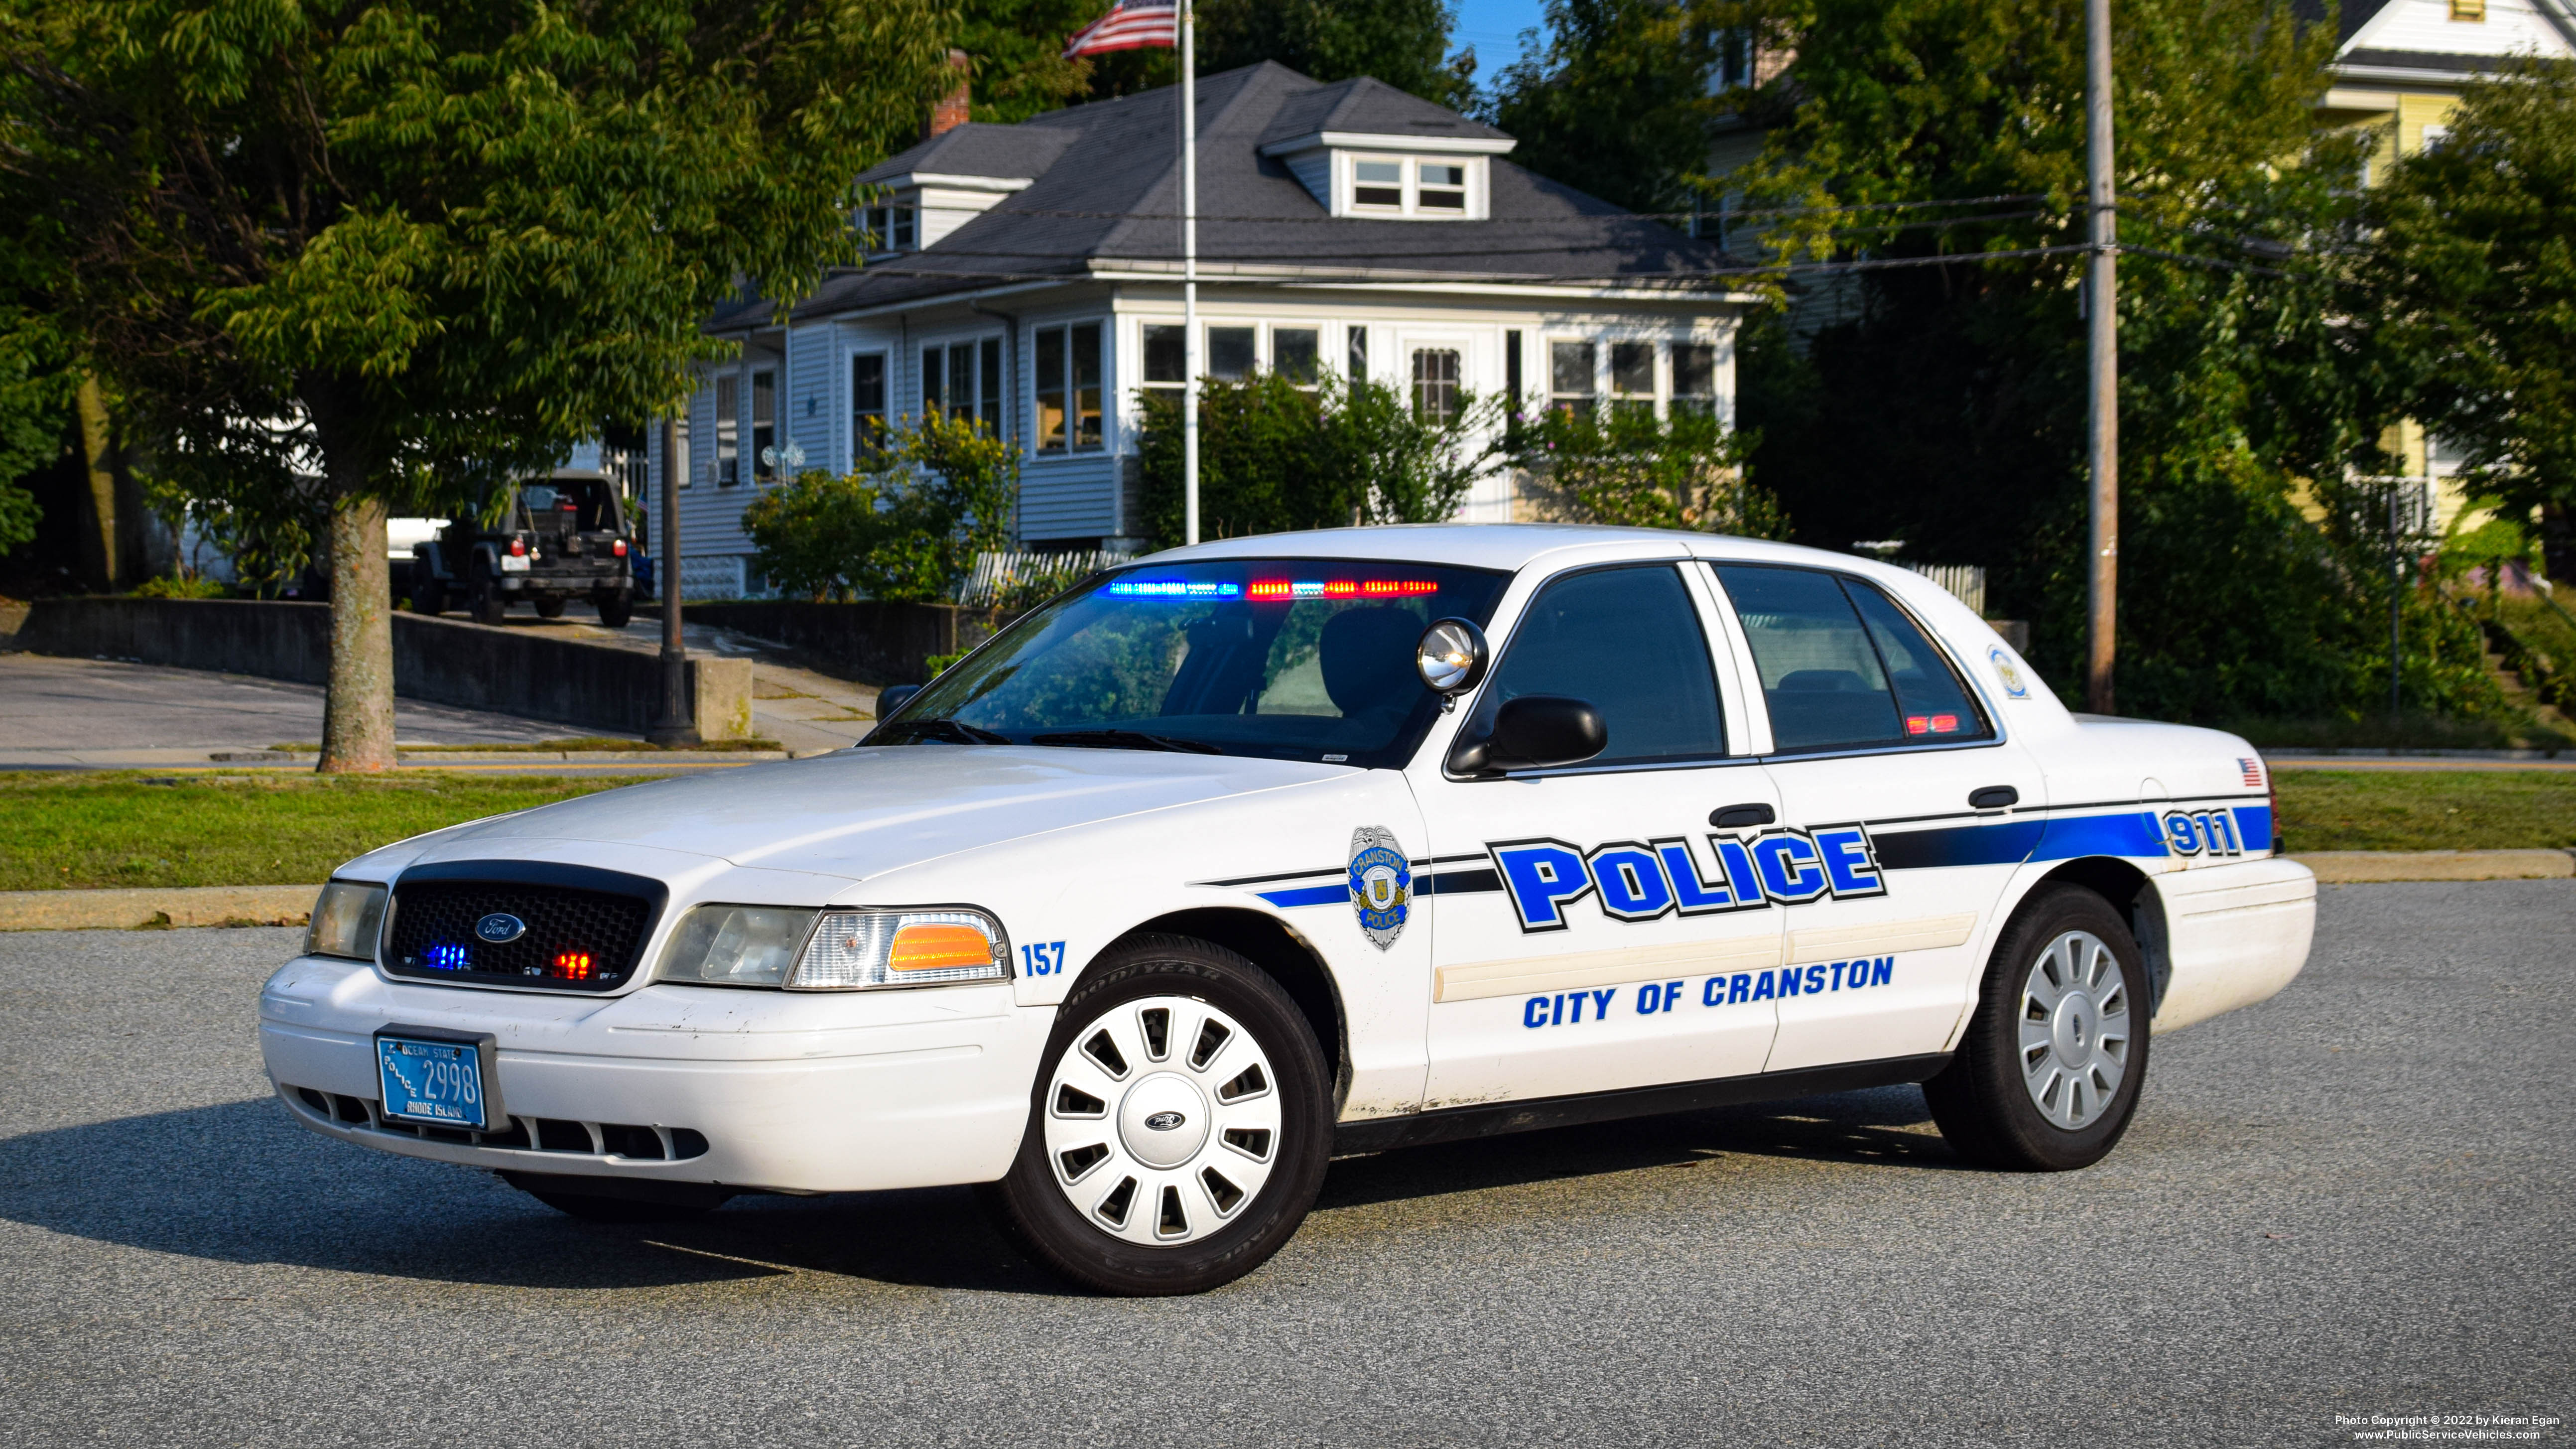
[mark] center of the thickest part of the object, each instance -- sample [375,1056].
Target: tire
[1250,1124]
[2047,1076]
[615,610]
[429,596]
[620,1209]
[486,604]
[549,606]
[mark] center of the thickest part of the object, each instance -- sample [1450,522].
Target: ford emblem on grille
[1164,1121]
[500,926]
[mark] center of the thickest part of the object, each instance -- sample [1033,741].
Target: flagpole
[1189,277]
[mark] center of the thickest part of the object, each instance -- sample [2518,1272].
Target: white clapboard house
[1029,276]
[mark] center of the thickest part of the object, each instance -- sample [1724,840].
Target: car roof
[1511,546]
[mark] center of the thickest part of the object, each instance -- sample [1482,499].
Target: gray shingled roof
[976,149]
[1112,195]
[2353,14]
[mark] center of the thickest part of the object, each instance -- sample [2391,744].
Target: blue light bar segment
[445,958]
[1175,589]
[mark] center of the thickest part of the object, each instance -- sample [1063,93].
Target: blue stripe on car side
[2137,834]
[2254,823]
[2002,843]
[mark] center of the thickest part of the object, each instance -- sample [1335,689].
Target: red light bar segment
[1931,724]
[1340,588]
[573,965]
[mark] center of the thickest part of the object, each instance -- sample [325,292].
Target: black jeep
[565,537]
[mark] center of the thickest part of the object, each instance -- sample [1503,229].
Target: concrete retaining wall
[508,671]
[870,642]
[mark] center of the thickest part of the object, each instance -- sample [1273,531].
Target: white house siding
[2426,25]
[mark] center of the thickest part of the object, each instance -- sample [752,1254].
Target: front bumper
[799,1092]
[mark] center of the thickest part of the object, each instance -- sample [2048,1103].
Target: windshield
[1295,659]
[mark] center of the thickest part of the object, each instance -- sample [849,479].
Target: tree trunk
[96,448]
[358,713]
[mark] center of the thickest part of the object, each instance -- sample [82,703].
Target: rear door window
[1842,667]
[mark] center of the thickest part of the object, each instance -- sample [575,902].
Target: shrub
[1629,467]
[904,526]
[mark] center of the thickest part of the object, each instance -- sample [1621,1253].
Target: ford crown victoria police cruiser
[1252,853]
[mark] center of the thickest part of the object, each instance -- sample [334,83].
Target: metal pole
[2101,312]
[676,722]
[2396,599]
[1189,277]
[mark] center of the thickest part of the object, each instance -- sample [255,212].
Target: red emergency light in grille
[573,965]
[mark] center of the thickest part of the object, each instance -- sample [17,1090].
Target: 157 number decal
[1042,958]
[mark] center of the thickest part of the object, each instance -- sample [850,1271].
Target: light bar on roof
[1341,588]
[1175,589]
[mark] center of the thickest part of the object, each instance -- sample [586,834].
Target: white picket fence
[1966,582]
[995,574]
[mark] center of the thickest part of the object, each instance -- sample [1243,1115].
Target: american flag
[1129,26]
[2253,772]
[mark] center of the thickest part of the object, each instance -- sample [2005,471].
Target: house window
[1632,376]
[1297,353]
[1230,352]
[1440,186]
[867,400]
[764,426]
[934,382]
[1694,377]
[1069,370]
[1435,383]
[728,431]
[1377,185]
[1570,376]
[891,229]
[1414,186]
[1167,355]
[988,384]
[2470,10]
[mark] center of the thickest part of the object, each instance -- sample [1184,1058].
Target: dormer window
[1422,187]
[891,229]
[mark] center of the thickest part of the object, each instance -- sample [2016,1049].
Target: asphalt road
[2355,1198]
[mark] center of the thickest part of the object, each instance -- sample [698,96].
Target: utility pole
[1189,277]
[2102,370]
[675,723]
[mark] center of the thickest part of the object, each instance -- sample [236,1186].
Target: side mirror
[894,697]
[1451,657]
[1535,732]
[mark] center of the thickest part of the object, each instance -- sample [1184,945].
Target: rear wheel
[2047,1076]
[1180,1125]
[615,610]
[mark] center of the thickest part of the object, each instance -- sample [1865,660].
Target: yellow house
[2398,72]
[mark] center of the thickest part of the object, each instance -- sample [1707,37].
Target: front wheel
[2047,1076]
[1179,1127]
[486,603]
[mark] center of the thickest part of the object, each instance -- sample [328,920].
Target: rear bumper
[2235,935]
[801,1092]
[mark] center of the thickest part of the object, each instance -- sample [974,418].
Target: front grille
[634,1142]
[582,933]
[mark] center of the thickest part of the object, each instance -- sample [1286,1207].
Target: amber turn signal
[938,947]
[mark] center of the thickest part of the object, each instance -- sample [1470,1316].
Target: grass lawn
[60,829]
[2427,809]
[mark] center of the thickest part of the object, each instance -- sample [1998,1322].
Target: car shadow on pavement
[1881,1126]
[240,1183]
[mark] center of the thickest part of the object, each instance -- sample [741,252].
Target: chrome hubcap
[2074,1030]
[1162,1120]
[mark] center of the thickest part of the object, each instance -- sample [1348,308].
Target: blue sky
[1494,28]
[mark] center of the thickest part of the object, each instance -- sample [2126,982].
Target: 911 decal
[1642,881]
[2198,832]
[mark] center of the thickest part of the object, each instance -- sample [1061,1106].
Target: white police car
[1257,852]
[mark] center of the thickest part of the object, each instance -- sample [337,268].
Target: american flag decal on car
[2253,772]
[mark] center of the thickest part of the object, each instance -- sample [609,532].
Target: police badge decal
[1381,884]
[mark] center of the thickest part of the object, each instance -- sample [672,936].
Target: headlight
[736,945]
[345,920]
[850,950]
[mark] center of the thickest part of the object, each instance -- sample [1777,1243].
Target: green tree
[904,526]
[2472,281]
[1615,99]
[1629,467]
[1936,394]
[1276,456]
[393,254]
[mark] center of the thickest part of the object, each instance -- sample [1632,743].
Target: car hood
[860,812]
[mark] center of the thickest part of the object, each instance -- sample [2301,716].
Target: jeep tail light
[618,548]
[518,548]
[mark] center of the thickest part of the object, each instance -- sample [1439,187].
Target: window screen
[1296,353]
[1569,376]
[1833,682]
[1628,641]
[868,399]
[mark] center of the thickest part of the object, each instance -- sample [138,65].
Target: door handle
[1734,817]
[1993,797]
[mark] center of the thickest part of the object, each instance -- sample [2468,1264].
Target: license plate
[436,1083]
[513,563]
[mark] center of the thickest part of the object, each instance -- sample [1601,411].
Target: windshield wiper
[1126,740]
[949,729]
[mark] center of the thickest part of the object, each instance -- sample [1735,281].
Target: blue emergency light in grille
[585,928]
